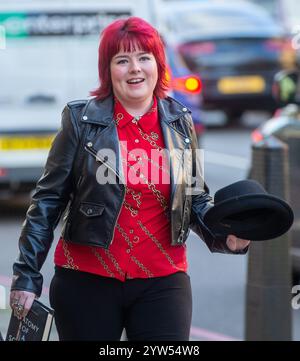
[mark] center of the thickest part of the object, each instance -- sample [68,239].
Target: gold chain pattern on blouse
[101,260]
[119,117]
[114,262]
[148,273]
[135,195]
[133,212]
[151,186]
[155,164]
[125,236]
[158,244]
[145,156]
[70,261]
[150,139]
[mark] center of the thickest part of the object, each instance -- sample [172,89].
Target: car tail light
[3,172]
[256,136]
[198,48]
[287,54]
[273,44]
[188,84]
[277,113]
[168,75]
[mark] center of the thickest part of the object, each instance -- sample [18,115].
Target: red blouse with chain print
[141,246]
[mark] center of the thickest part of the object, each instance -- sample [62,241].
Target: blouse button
[128,250]
[84,117]
[136,141]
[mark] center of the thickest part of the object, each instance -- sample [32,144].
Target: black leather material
[69,186]
[91,210]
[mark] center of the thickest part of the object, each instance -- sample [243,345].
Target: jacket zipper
[94,154]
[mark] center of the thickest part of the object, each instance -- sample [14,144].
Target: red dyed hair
[126,34]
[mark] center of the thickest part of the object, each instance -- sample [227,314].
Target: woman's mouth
[135,81]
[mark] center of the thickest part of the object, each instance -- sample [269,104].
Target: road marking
[226,160]
[200,334]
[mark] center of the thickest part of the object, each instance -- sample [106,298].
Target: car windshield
[269,5]
[217,21]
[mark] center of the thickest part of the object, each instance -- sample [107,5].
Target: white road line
[226,160]
[206,335]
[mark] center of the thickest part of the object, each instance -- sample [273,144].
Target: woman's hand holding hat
[236,244]
[247,210]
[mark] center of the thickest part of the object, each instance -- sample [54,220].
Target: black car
[236,48]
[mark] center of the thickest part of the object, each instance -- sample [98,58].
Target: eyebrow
[127,56]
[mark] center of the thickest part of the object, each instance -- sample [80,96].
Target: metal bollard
[293,142]
[268,291]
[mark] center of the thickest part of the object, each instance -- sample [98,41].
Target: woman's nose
[134,67]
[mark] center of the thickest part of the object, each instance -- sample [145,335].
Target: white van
[49,58]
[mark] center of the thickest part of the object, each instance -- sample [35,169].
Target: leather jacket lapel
[175,143]
[105,144]
[107,147]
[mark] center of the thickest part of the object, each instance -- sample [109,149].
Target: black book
[36,326]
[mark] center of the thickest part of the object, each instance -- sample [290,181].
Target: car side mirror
[285,85]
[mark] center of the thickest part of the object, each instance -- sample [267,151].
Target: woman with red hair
[120,169]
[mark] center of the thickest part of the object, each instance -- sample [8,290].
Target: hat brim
[255,217]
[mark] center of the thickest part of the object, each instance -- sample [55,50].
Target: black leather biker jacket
[69,189]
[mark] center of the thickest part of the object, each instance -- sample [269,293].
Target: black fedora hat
[246,210]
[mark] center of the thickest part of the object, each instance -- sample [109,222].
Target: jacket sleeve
[48,202]
[202,202]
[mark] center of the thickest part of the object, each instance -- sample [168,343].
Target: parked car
[287,13]
[285,126]
[42,71]
[235,47]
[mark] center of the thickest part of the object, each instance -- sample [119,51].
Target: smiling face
[134,76]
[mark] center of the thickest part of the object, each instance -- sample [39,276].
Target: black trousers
[92,307]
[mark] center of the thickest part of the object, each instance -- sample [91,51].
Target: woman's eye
[122,61]
[144,58]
